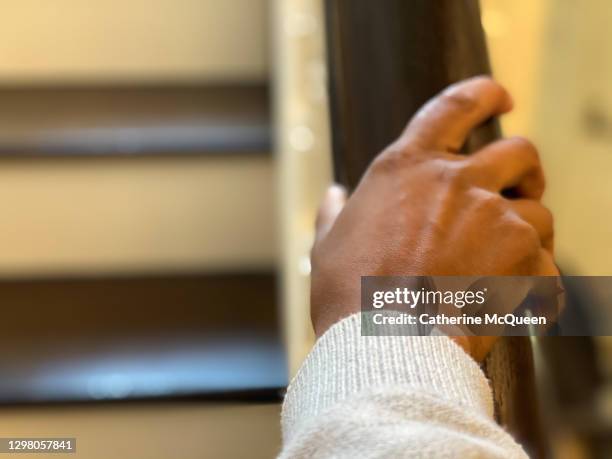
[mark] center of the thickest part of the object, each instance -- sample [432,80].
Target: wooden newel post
[386,58]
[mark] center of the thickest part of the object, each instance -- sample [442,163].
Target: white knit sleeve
[390,396]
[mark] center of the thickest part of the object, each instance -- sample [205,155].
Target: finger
[446,120]
[547,265]
[546,293]
[538,216]
[509,165]
[331,206]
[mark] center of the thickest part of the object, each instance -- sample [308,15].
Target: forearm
[390,397]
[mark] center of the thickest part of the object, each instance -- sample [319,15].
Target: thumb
[331,206]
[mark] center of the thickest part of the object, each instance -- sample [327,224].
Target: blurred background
[160,166]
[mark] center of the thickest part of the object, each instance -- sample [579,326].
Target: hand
[422,209]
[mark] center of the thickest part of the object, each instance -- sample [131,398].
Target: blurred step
[154,430]
[117,41]
[207,119]
[212,336]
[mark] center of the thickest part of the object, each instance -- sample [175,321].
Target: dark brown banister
[386,58]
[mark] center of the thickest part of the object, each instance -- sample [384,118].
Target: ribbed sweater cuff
[343,363]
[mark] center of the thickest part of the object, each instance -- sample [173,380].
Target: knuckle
[386,162]
[454,174]
[485,80]
[394,158]
[496,90]
[466,93]
[540,186]
[458,100]
[549,221]
[548,216]
[491,203]
[524,234]
[527,147]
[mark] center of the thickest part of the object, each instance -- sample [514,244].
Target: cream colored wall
[576,82]
[554,56]
[124,40]
[515,34]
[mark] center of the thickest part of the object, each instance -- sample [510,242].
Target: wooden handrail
[387,58]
